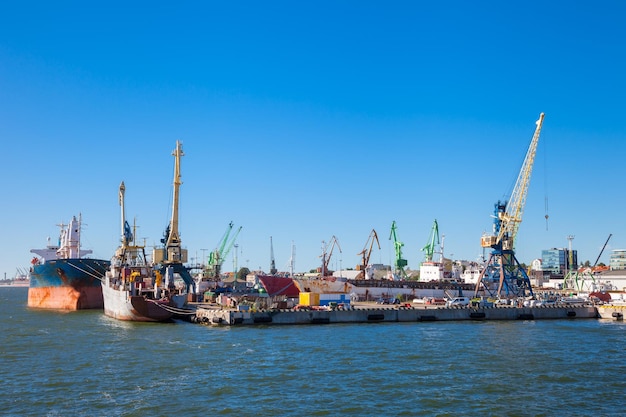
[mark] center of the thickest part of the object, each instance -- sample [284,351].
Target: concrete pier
[398,314]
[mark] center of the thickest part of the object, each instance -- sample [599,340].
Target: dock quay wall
[400,314]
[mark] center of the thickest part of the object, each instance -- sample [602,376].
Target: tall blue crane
[503,275]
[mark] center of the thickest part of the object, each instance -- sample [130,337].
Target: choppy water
[85,364]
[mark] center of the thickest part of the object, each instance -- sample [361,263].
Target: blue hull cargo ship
[61,279]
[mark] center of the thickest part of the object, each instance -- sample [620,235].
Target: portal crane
[327,252]
[503,271]
[433,241]
[172,254]
[366,253]
[217,256]
[399,263]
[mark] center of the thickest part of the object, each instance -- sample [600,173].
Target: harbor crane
[577,279]
[327,252]
[503,274]
[399,263]
[217,256]
[365,255]
[433,241]
[172,254]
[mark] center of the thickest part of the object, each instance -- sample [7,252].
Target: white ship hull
[612,311]
[121,304]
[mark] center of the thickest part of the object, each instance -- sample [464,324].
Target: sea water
[85,364]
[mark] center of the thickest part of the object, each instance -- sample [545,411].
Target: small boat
[61,278]
[133,289]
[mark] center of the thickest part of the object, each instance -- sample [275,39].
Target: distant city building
[618,260]
[536,274]
[557,261]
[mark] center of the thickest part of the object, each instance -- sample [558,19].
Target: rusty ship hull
[67,284]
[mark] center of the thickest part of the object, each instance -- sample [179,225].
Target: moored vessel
[62,278]
[133,290]
[615,309]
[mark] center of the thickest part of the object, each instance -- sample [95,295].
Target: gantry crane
[399,263]
[217,256]
[327,252]
[172,254]
[503,272]
[365,255]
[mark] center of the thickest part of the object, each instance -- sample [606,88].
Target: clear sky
[304,120]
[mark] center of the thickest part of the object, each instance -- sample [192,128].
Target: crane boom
[602,250]
[217,256]
[400,263]
[173,240]
[231,243]
[327,252]
[172,254]
[503,270]
[433,240]
[515,208]
[224,239]
[366,253]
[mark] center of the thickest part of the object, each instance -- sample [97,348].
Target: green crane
[429,249]
[217,256]
[399,263]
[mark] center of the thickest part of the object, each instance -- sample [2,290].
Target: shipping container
[309,299]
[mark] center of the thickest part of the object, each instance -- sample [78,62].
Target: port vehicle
[388,301]
[435,301]
[458,301]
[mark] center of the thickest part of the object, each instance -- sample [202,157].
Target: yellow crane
[503,272]
[173,244]
[172,254]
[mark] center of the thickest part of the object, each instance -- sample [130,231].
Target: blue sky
[304,120]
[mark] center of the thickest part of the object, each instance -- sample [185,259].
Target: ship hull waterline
[67,284]
[121,305]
